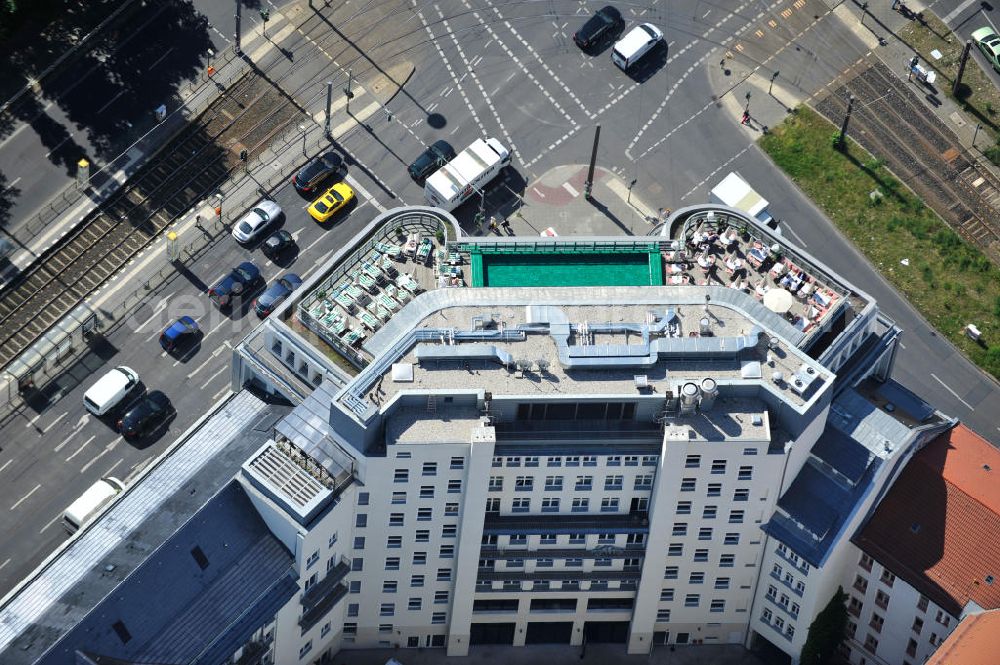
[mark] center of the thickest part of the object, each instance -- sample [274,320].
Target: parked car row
[607,25]
[120,397]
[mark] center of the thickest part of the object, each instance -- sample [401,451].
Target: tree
[826,632]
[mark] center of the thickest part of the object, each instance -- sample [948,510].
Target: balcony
[552,575]
[590,523]
[317,591]
[600,552]
[323,605]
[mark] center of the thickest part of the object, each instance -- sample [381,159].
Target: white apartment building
[639,458]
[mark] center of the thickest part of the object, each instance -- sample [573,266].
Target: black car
[315,172]
[437,155]
[245,278]
[277,244]
[602,27]
[145,416]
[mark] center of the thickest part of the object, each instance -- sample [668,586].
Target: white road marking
[32,422]
[569,188]
[25,497]
[958,10]
[2,565]
[795,235]
[112,100]
[364,192]
[903,346]
[222,369]
[78,450]
[6,464]
[216,396]
[113,467]
[51,522]
[313,243]
[14,182]
[946,387]
[46,429]
[200,367]
[156,312]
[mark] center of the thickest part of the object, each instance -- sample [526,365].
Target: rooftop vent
[199,557]
[121,631]
[641,381]
[777,377]
[989,579]
[757,419]
[986,467]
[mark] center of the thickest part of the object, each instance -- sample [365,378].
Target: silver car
[255,222]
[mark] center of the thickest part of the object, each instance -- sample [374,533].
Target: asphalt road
[511,72]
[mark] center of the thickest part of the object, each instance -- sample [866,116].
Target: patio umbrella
[779,301]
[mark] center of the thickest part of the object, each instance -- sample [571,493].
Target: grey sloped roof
[175,610]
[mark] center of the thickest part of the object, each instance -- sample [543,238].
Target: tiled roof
[976,641]
[938,527]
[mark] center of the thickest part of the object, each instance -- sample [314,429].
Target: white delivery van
[90,502]
[639,41]
[110,390]
[449,186]
[736,192]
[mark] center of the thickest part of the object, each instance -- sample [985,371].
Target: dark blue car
[268,301]
[178,333]
[242,280]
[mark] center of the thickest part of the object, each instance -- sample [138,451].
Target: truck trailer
[736,192]
[470,171]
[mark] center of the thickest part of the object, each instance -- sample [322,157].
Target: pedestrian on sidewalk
[746,118]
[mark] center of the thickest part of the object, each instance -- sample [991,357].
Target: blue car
[268,301]
[178,333]
[242,280]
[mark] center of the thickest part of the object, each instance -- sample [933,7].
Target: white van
[90,502]
[639,41]
[110,390]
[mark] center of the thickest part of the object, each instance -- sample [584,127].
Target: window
[422,536]
[779,623]
[423,514]
[457,463]
[589,460]
[513,461]
[718,466]
[353,609]
[876,623]
[387,609]
[577,538]
[800,587]
[454,486]
[741,495]
[710,512]
[688,484]
[721,582]
[416,581]
[717,606]
[683,508]
[438,617]
[398,498]
[554,461]
[451,510]
[860,583]
[670,573]
[444,575]
[521,505]
[922,603]
[643,482]
[692,462]
[692,600]
[547,539]
[663,615]
[392,563]
[360,521]
[605,539]
[696,578]
[496,484]
[584,482]
[550,505]
[389,586]
[543,563]
[854,606]
[419,558]
[871,644]
[731,539]
[736,517]
[866,562]
[497,462]
[918,625]
[795,609]
[745,473]
[727,561]
[426,491]
[524,483]
[580,505]
[385,628]
[403,455]
[766,615]
[333,540]
[887,578]
[613,482]
[614,460]
[609,505]
[776,570]
[313,558]
[680,529]
[357,564]
[783,601]
[355,587]
[531,461]
[911,648]
[430,469]
[788,580]
[518,539]
[705,533]
[440,597]
[414,604]
[572,460]
[701,555]
[396,519]
[649,460]
[553,483]
[350,629]
[882,599]
[363,498]
[574,563]
[715,489]
[305,649]
[772,591]
[666,594]
[631,460]
[401,475]
[675,549]
[943,618]
[790,631]
[749,451]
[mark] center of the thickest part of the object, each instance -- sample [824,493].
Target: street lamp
[771,84]
[747,109]
[302,128]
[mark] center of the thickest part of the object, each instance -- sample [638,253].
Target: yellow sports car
[332,201]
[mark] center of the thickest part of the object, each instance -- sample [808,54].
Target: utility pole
[329,104]
[236,37]
[843,128]
[265,14]
[771,84]
[864,10]
[746,109]
[347,92]
[588,187]
[961,67]
[302,128]
[976,135]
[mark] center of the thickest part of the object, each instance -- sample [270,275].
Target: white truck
[736,192]
[90,502]
[449,186]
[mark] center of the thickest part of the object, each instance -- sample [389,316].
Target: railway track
[891,123]
[181,174]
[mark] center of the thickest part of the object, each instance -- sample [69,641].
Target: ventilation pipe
[689,398]
[709,391]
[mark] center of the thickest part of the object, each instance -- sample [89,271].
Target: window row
[582,483]
[718,466]
[399,519]
[571,539]
[574,460]
[711,512]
